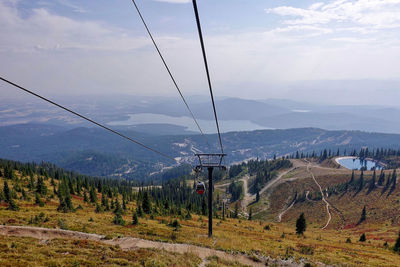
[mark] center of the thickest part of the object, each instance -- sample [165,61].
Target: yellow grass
[232,235]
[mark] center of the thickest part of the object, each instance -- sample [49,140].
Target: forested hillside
[95,152]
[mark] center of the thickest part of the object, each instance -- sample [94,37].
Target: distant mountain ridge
[94,151]
[270,113]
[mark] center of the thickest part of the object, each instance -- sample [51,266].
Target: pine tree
[139,211]
[301,224]
[7,192]
[12,205]
[31,184]
[135,219]
[117,207]
[381,179]
[363,215]
[118,220]
[361,181]
[123,203]
[396,247]
[236,214]
[38,201]
[394,179]
[388,181]
[372,183]
[363,238]
[65,202]
[146,204]
[85,197]
[41,188]
[92,195]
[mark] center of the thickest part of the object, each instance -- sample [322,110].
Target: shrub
[12,205]
[62,224]
[175,224]
[118,220]
[348,240]
[306,250]
[363,238]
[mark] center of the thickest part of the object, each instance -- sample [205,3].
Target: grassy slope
[327,246]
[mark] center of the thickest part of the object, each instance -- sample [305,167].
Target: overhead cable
[207,71]
[168,70]
[89,120]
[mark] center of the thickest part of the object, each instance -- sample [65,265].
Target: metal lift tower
[210,161]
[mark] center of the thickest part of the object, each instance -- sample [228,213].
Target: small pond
[354,163]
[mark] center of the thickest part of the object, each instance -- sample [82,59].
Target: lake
[354,163]
[208,126]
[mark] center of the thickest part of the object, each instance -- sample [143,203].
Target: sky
[337,52]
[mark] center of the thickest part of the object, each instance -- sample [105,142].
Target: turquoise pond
[357,164]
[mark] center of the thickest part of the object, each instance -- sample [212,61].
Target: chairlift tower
[210,161]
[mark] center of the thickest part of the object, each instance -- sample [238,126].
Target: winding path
[126,243]
[323,196]
[283,212]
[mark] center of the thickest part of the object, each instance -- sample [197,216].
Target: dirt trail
[283,212]
[247,198]
[323,196]
[126,243]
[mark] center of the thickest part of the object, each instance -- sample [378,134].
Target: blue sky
[257,49]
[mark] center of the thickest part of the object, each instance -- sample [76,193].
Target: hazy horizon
[332,52]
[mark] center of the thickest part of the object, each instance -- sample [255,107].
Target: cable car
[200,188]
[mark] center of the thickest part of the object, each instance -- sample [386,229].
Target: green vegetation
[301,224]
[172,213]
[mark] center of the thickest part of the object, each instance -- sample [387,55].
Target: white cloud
[55,53]
[47,31]
[74,7]
[377,14]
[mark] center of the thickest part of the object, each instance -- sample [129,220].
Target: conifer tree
[117,207]
[363,238]
[250,214]
[372,182]
[12,205]
[394,179]
[381,179]
[363,215]
[301,224]
[31,184]
[92,195]
[236,214]
[65,202]
[7,192]
[135,219]
[361,181]
[396,247]
[38,201]
[41,188]
[85,197]
[146,204]
[388,181]
[139,211]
